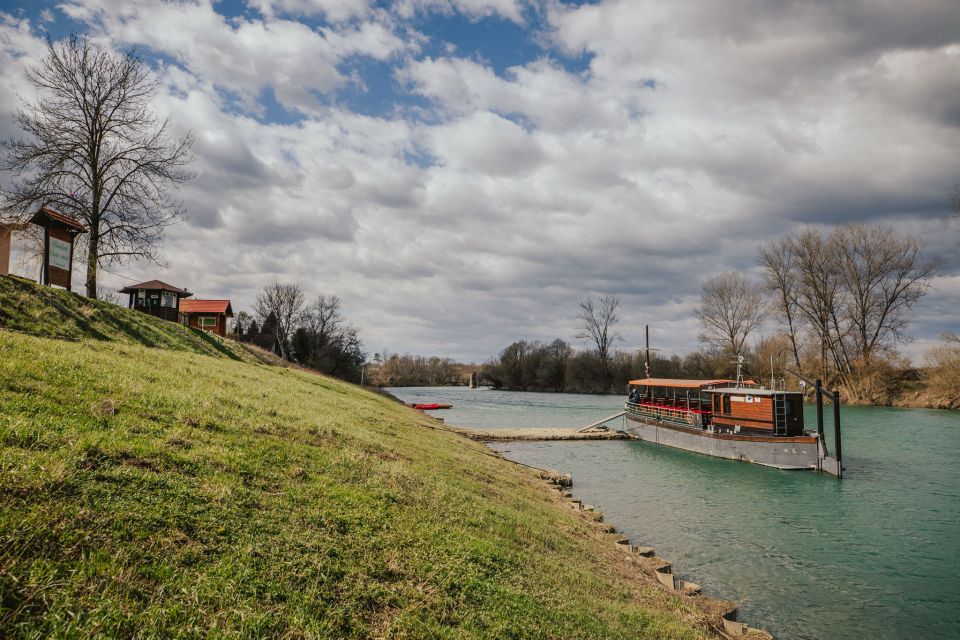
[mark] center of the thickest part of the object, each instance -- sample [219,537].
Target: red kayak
[431,406]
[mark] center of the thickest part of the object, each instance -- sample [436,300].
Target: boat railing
[666,413]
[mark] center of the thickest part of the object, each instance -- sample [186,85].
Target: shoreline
[640,562]
[643,563]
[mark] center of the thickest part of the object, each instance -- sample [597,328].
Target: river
[875,555]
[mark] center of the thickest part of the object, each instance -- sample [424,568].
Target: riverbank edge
[648,568]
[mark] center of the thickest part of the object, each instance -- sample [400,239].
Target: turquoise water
[875,555]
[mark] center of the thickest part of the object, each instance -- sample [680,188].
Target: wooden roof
[675,382]
[47,214]
[206,306]
[156,285]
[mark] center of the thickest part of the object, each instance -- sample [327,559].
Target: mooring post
[836,432]
[818,386]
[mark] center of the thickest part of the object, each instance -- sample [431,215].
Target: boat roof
[676,382]
[747,391]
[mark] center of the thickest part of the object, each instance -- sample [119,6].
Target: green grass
[30,308]
[165,493]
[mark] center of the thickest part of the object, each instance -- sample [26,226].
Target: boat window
[726,403]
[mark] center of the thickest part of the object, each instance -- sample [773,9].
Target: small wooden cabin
[210,315]
[764,410]
[157,298]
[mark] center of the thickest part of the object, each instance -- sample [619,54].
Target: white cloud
[695,133]
[508,9]
[244,56]
[333,10]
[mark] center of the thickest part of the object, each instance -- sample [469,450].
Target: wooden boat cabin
[717,406]
[209,315]
[157,298]
[756,410]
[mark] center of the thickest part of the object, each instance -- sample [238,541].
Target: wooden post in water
[818,386]
[836,432]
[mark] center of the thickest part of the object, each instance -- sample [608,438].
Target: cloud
[333,10]
[476,9]
[481,205]
[239,55]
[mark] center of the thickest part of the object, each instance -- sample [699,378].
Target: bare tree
[853,290]
[93,149]
[324,322]
[883,276]
[241,324]
[284,302]
[597,326]
[326,342]
[108,294]
[781,281]
[818,291]
[730,308]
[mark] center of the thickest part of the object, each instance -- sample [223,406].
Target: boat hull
[797,452]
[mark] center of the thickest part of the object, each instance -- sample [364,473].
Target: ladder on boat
[780,408]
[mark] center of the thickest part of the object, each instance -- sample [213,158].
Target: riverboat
[726,419]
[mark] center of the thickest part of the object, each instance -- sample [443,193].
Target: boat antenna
[739,362]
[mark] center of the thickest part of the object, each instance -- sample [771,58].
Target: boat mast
[646,364]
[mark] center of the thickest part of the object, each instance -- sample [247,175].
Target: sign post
[59,231]
[4,250]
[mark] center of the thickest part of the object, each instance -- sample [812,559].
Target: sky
[461,173]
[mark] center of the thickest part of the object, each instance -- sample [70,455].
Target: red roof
[46,213]
[673,382]
[206,306]
[156,285]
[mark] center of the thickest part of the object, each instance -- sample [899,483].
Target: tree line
[314,334]
[395,370]
[835,306]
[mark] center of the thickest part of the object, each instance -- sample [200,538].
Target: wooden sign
[4,250]
[59,231]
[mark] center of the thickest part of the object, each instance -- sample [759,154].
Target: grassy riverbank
[193,491]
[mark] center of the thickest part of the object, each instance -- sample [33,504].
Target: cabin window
[207,322]
[168,300]
[726,404]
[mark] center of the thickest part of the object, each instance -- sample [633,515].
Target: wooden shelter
[157,298]
[59,231]
[209,315]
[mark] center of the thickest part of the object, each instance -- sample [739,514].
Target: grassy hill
[45,311]
[189,491]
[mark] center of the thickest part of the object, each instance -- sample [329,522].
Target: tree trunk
[93,255]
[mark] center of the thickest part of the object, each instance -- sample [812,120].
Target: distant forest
[838,304]
[835,306]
